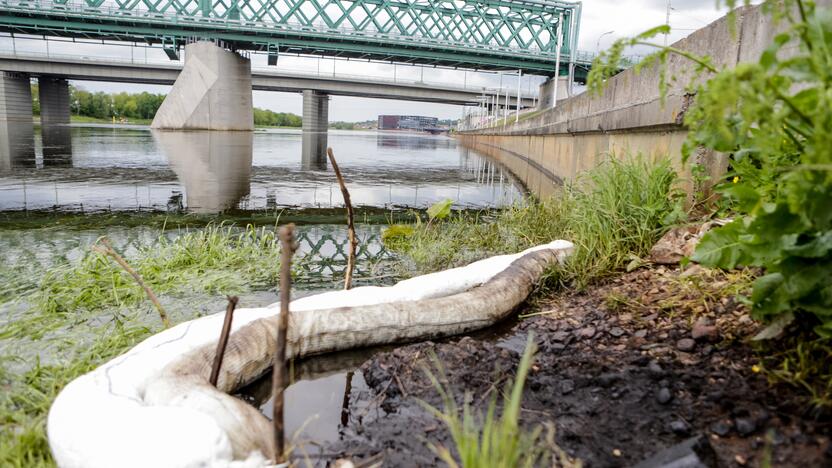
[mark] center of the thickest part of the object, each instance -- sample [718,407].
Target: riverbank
[639,363]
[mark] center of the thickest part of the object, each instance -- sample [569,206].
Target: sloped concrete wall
[629,117]
[213,92]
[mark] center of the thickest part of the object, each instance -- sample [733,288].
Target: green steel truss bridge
[484,35]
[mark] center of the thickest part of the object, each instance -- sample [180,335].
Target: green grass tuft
[611,213]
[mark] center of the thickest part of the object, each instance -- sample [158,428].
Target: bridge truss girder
[485,35]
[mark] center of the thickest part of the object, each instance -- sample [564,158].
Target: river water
[104,167]
[95,172]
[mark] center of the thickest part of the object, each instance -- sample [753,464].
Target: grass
[491,441]
[216,259]
[612,214]
[25,398]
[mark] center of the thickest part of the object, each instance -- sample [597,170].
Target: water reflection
[411,141]
[214,167]
[16,145]
[57,145]
[313,153]
[112,167]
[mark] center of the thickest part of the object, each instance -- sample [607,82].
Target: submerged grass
[216,259]
[612,214]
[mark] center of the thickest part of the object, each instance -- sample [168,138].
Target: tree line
[101,105]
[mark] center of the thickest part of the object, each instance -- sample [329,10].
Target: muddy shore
[634,366]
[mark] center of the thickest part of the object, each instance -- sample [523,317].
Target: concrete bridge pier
[16,128]
[56,138]
[315,124]
[212,92]
[54,101]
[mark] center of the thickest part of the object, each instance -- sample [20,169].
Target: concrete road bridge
[85,68]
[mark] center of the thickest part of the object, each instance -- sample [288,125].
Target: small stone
[616,331]
[640,333]
[655,370]
[740,460]
[616,452]
[685,344]
[606,380]
[664,395]
[560,336]
[721,428]
[703,330]
[567,386]
[680,427]
[745,426]
[587,332]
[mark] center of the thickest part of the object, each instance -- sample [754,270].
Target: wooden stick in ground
[350,220]
[108,251]
[226,330]
[280,376]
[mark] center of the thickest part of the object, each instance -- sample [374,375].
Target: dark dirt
[631,367]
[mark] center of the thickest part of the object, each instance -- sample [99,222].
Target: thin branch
[226,330]
[350,221]
[280,376]
[108,251]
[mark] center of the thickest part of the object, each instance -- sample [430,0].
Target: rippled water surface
[124,168]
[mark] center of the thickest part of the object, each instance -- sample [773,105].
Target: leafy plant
[440,210]
[773,118]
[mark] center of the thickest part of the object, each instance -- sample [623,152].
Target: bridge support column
[315,124]
[54,101]
[547,92]
[212,92]
[16,127]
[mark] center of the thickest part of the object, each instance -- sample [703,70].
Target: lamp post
[598,43]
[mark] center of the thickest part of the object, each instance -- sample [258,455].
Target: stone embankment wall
[630,117]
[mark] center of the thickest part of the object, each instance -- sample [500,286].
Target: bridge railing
[136,10]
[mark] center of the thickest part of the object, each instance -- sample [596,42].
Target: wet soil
[633,366]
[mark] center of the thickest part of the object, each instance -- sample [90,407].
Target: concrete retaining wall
[629,117]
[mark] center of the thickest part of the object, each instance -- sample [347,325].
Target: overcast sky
[623,17]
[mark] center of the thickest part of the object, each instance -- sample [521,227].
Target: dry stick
[108,250]
[280,376]
[226,330]
[350,222]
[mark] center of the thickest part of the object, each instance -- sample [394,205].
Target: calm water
[91,168]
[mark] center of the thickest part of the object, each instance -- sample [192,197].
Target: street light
[598,44]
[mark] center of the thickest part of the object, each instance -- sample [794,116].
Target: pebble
[560,336]
[587,332]
[703,330]
[680,427]
[664,395]
[567,386]
[606,380]
[720,428]
[616,331]
[685,344]
[640,333]
[745,426]
[655,369]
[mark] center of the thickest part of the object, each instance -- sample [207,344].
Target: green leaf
[721,247]
[440,210]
